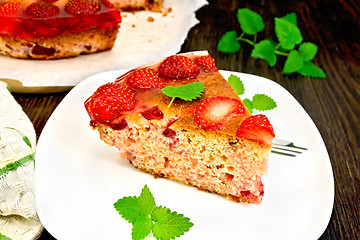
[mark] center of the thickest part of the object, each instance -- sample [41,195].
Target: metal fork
[287,148]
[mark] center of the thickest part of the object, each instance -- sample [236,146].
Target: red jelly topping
[118,125]
[153,113]
[29,19]
[169,132]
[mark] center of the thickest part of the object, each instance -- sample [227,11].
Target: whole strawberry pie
[179,118]
[56,29]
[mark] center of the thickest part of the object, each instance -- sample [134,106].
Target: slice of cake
[211,142]
[56,29]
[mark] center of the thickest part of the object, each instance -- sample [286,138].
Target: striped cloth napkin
[18,219]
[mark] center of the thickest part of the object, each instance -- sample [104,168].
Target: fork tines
[286,148]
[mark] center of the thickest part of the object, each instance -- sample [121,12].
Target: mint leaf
[265,50]
[309,69]
[146,201]
[248,103]
[146,217]
[293,63]
[262,102]
[187,92]
[287,33]
[259,102]
[291,18]
[236,84]
[250,22]
[129,208]
[308,51]
[141,228]
[228,43]
[169,225]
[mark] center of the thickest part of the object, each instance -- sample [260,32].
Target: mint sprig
[146,217]
[260,102]
[298,54]
[187,92]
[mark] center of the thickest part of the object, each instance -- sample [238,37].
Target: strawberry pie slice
[55,29]
[210,140]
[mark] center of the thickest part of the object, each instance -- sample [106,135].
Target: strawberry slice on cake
[210,141]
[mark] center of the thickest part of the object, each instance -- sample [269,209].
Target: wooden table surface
[332,103]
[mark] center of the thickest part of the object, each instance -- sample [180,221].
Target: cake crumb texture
[63,46]
[228,166]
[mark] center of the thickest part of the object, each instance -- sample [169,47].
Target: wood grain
[332,103]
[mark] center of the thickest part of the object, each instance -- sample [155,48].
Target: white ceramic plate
[78,178]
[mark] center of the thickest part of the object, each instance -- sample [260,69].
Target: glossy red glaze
[24,26]
[169,132]
[118,125]
[153,113]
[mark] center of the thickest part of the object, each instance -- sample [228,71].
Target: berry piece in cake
[144,79]
[110,101]
[257,128]
[207,63]
[42,9]
[178,67]
[78,7]
[153,113]
[214,112]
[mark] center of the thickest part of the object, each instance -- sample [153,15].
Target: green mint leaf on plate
[141,228]
[308,51]
[168,224]
[287,33]
[309,69]
[228,43]
[236,84]
[250,22]
[248,103]
[129,208]
[293,63]
[291,17]
[146,201]
[262,102]
[265,50]
[146,217]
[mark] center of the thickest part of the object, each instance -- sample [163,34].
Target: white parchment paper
[139,41]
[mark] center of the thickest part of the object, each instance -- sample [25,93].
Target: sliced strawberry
[207,63]
[214,112]
[109,101]
[42,9]
[78,7]
[178,67]
[9,7]
[257,128]
[144,79]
